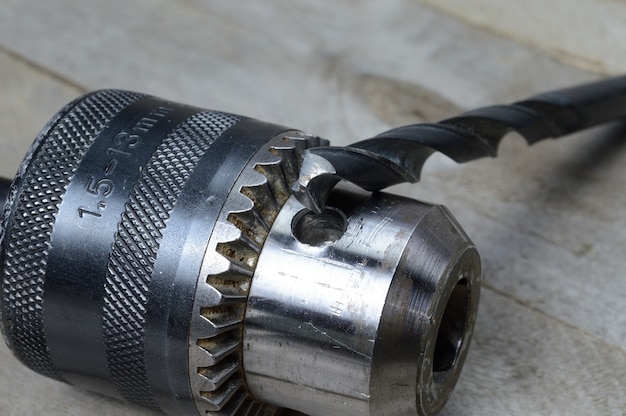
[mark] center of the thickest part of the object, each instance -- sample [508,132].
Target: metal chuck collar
[152,251]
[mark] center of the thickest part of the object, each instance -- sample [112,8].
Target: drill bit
[397,155]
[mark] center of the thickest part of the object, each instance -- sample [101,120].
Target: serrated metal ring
[215,343]
[39,189]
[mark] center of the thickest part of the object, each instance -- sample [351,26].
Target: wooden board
[548,220]
[588,34]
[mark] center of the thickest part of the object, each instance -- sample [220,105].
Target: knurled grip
[42,181]
[137,242]
[86,297]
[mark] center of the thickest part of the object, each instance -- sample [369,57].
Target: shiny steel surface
[215,340]
[348,325]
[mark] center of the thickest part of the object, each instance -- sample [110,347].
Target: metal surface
[250,206]
[368,310]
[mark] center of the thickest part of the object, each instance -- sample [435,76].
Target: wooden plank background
[549,220]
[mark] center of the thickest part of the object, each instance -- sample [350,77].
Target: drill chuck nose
[365,308]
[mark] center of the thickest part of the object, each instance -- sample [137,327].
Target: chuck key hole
[452,330]
[321,229]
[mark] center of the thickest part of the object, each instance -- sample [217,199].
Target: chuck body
[152,251]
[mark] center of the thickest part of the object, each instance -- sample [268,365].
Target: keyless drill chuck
[204,263]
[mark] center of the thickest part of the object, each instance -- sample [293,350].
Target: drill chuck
[153,251]
[205,263]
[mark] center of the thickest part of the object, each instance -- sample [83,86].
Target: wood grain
[28,98]
[548,220]
[588,34]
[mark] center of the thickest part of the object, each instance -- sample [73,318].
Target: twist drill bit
[398,155]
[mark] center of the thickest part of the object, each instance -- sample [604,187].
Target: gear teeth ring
[215,356]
